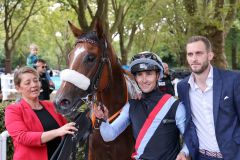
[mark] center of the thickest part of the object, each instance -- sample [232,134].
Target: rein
[110,119]
[68,145]
[104,59]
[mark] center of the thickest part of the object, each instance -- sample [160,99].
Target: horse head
[89,72]
[94,74]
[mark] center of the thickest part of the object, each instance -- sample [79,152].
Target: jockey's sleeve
[110,131]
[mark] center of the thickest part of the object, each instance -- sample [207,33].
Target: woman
[156,118]
[35,127]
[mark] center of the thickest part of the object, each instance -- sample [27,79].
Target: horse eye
[89,58]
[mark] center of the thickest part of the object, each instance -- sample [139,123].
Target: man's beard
[202,69]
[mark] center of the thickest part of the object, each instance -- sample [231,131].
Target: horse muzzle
[67,108]
[68,99]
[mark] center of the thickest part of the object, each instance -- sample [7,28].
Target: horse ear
[76,32]
[98,27]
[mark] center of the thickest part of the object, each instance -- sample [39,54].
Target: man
[46,89]
[156,118]
[212,100]
[165,84]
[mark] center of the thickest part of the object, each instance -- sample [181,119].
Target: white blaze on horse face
[77,52]
[76,78]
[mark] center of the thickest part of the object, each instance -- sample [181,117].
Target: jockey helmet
[146,61]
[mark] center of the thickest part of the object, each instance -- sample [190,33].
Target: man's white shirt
[201,103]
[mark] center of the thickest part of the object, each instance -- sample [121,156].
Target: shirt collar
[209,80]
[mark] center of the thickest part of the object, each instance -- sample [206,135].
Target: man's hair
[41,61]
[18,74]
[206,42]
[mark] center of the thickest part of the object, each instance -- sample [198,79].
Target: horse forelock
[90,37]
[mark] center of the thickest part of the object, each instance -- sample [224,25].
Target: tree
[213,19]
[55,24]
[131,25]
[232,44]
[15,26]
[234,47]
[122,22]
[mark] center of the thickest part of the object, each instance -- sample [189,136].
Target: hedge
[2,128]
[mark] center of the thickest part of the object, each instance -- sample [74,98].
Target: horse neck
[114,96]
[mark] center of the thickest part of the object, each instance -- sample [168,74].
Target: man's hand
[51,84]
[181,156]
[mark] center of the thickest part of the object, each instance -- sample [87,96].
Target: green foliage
[41,29]
[162,27]
[232,38]
[162,30]
[2,128]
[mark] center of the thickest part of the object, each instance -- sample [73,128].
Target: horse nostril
[64,102]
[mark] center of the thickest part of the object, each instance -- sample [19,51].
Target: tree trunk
[234,46]
[124,55]
[8,54]
[12,34]
[8,64]
[217,39]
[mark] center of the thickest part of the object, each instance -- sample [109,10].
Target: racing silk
[150,125]
[163,143]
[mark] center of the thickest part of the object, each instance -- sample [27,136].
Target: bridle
[70,141]
[91,98]
[93,88]
[104,59]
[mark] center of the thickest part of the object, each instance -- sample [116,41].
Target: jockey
[157,119]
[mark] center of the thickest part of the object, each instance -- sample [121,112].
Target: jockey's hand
[138,96]
[101,112]
[181,156]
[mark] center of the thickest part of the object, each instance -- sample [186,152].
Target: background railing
[3,145]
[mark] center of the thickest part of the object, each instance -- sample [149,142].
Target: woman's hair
[18,74]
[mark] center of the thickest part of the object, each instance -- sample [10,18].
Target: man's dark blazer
[226,113]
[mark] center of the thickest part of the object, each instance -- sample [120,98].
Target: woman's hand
[68,128]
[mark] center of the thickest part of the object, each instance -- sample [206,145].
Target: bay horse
[94,73]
